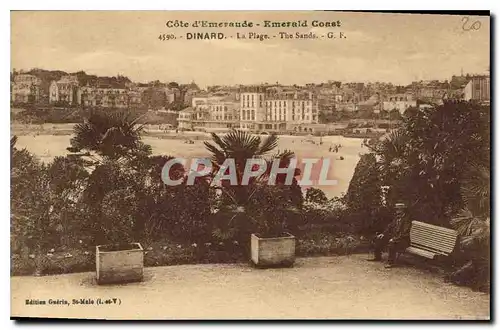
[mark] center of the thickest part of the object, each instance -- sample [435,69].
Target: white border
[6,6]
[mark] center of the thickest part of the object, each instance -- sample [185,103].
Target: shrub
[28,202]
[384,125]
[363,197]
[315,195]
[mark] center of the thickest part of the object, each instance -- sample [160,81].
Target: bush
[27,200]
[384,125]
[363,198]
[325,243]
[46,209]
[175,216]
[315,195]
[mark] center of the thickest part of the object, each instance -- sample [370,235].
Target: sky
[397,48]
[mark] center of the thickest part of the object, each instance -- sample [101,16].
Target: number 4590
[165,36]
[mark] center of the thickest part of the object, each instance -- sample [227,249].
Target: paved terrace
[344,287]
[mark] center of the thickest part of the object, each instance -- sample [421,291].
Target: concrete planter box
[119,264]
[273,252]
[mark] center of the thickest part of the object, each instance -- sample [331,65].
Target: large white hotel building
[276,109]
[256,109]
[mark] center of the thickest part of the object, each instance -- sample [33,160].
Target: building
[399,102]
[328,98]
[190,91]
[153,95]
[216,114]
[276,108]
[185,119]
[210,113]
[478,89]
[372,105]
[297,110]
[104,97]
[347,106]
[173,94]
[135,93]
[26,89]
[134,98]
[252,107]
[64,90]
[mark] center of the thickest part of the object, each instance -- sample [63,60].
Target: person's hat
[400,206]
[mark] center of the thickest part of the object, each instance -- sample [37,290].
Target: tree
[391,164]
[473,226]
[67,179]
[314,195]
[29,206]
[394,114]
[240,146]
[424,161]
[238,202]
[363,198]
[113,135]
[110,185]
[118,163]
[173,84]
[154,97]
[440,141]
[46,204]
[169,210]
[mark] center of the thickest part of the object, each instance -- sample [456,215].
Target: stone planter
[274,251]
[119,263]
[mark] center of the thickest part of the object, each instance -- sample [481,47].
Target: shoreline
[35,130]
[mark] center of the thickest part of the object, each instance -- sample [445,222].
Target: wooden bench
[430,241]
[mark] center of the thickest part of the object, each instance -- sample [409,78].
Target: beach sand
[46,147]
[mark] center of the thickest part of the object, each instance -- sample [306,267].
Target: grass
[165,253]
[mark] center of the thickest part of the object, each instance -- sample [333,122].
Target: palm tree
[120,166]
[239,202]
[473,225]
[391,160]
[242,146]
[391,151]
[112,135]
[13,141]
[473,221]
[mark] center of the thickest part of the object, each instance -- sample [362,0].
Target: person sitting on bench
[395,238]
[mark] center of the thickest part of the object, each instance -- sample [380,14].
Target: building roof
[187,110]
[482,76]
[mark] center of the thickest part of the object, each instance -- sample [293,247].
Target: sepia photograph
[250,165]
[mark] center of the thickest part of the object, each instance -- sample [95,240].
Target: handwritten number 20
[468,27]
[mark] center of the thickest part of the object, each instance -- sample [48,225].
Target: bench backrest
[435,238]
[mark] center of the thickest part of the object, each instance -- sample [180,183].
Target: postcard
[250,165]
